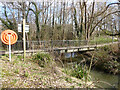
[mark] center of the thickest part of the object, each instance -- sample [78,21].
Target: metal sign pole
[24,39]
[9,48]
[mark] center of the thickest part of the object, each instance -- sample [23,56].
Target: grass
[30,73]
[77,71]
[26,74]
[17,71]
[101,40]
[1,49]
[68,80]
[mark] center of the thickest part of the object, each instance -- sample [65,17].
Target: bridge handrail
[34,45]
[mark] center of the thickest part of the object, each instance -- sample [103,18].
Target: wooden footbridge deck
[58,46]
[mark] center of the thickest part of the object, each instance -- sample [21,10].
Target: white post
[24,39]
[9,48]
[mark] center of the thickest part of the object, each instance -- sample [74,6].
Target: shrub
[41,58]
[106,48]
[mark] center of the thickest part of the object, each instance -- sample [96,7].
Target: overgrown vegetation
[107,59]
[42,59]
[78,71]
[38,71]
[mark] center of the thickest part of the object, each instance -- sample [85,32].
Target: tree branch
[101,21]
[105,9]
[110,33]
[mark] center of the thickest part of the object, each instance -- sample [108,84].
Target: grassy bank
[102,40]
[106,59]
[38,71]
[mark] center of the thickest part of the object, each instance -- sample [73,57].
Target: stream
[105,80]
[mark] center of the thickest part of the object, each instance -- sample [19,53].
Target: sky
[58,0]
[108,1]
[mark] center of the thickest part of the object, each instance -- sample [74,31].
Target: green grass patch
[16,71]
[26,74]
[101,40]
[6,73]
[68,79]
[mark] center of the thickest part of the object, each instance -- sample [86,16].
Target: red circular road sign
[5,37]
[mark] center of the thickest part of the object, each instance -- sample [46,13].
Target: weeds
[7,73]
[44,77]
[68,80]
[17,71]
[26,74]
[20,57]
[15,62]
[42,59]
[67,71]
[78,72]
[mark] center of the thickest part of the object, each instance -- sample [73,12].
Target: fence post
[44,45]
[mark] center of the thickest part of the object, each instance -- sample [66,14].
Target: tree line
[55,20]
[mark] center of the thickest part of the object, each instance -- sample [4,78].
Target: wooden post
[24,40]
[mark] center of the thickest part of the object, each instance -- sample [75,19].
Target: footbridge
[60,46]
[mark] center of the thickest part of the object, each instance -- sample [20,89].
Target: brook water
[105,80]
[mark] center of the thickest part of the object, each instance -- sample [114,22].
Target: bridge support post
[71,57]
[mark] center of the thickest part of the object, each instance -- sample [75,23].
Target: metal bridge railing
[36,45]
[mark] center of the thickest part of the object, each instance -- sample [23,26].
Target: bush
[106,48]
[42,59]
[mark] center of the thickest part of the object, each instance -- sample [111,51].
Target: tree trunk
[119,26]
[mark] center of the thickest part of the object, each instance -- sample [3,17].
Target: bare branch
[101,20]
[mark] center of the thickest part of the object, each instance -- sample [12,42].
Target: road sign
[20,28]
[26,28]
[5,37]
[9,37]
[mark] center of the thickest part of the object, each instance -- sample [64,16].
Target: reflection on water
[106,80]
[68,55]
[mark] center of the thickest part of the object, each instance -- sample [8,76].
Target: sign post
[9,47]
[25,30]
[24,40]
